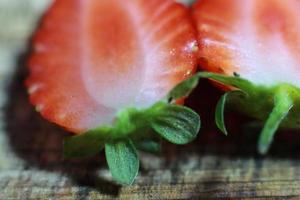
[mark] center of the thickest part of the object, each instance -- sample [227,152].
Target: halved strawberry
[94,58]
[104,63]
[256,44]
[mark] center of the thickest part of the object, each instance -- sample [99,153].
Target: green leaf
[177,124]
[220,109]
[184,88]
[282,105]
[233,81]
[86,144]
[146,139]
[122,160]
[219,114]
[149,145]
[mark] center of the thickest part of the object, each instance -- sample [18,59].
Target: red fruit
[256,45]
[93,58]
[259,40]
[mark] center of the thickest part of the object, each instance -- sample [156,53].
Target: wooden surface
[214,166]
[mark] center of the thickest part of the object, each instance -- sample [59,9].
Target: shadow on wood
[39,142]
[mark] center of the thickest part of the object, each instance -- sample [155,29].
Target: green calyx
[137,129]
[276,105]
[143,129]
[282,105]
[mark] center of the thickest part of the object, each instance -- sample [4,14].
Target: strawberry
[252,48]
[104,69]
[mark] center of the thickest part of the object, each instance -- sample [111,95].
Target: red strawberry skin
[93,58]
[259,40]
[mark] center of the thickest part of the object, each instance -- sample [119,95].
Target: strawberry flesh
[92,59]
[259,40]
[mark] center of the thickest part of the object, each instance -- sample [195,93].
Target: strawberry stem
[282,105]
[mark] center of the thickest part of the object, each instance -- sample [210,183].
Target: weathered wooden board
[32,167]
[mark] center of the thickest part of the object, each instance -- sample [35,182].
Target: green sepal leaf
[122,160]
[86,144]
[233,81]
[147,140]
[177,124]
[151,146]
[219,113]
[220,109]
[184,88]
[282,105]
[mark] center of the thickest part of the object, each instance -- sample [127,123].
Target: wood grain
[214,166]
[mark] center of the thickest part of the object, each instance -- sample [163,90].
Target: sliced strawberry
[93,58]
[256,45]
[259,40]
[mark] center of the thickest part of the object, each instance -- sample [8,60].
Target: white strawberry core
[266,62]
[125,63]
[265,42]
[270,59]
